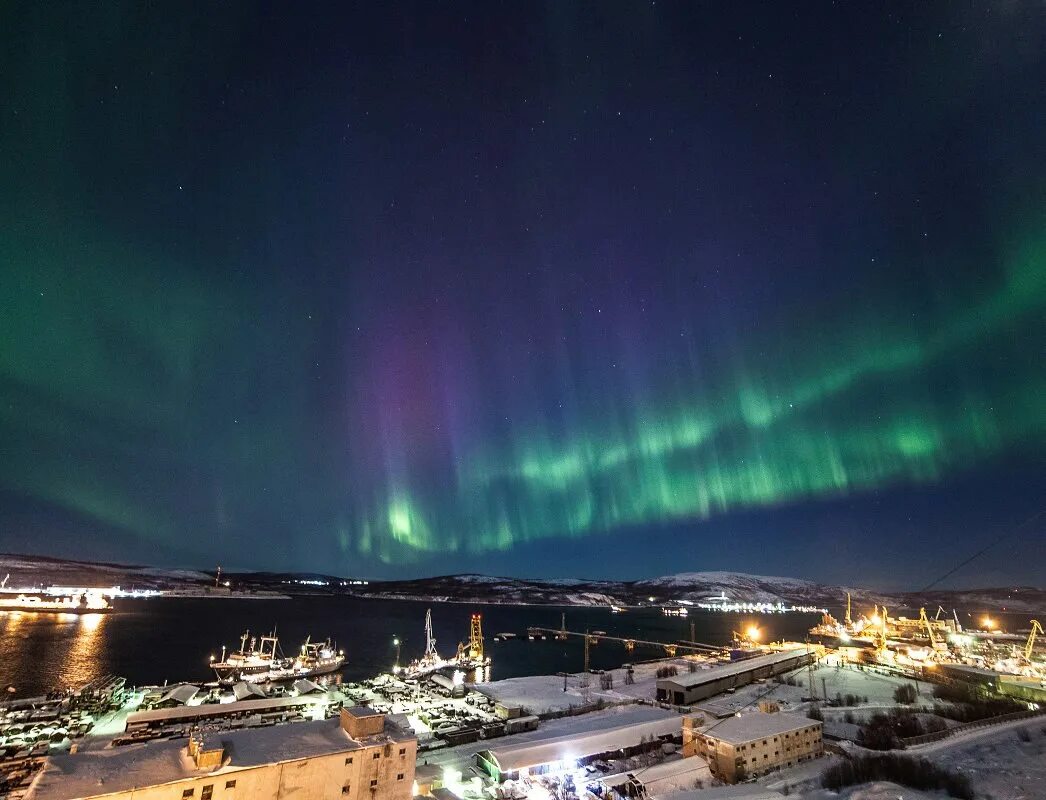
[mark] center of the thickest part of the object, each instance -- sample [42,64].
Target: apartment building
[360,755]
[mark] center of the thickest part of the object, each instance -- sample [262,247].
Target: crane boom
[929,628]
[1035,627]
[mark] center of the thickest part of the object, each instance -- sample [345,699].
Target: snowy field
[1001,764]
[541,694]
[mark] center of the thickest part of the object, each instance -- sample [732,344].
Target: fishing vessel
[261,660]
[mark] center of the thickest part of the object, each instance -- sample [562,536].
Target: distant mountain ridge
[473,588]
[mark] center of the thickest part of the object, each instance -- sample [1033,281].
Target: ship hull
[268,675]
[39,609]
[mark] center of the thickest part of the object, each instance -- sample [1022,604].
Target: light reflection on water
[84,660]
[59,650]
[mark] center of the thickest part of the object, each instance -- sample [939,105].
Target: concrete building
[692,687]
[752,744]
[359,756]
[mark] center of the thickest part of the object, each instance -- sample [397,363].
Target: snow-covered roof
[602,736]
[120,769]
[182,693]
[216,710]
[657,772]
[244,690]
[757,725]
[689,679]
[305,686]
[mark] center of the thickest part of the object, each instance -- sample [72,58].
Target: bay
[171,639]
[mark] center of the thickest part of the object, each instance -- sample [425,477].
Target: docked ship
[468,657]
[53,601]
[261,660]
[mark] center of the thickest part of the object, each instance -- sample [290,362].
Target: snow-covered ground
[880,790]
[544,693]
[1000,763]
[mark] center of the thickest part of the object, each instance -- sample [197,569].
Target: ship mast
[430,642]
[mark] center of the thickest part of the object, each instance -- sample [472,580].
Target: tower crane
[1035,628]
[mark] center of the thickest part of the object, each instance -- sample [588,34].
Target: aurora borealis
[529,289]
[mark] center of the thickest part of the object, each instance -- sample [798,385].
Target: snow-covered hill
[693,587]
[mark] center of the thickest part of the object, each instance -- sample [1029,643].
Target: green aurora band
[858,418]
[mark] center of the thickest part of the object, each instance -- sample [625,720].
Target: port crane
[1036,627]
[935,642]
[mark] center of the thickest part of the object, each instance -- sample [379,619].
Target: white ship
[52,600]
[261,660]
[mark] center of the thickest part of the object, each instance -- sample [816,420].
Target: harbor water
[172,639]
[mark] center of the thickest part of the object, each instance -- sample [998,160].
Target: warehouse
[274,708]
[684,690]
[597,737]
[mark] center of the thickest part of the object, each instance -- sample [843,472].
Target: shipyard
[655,726]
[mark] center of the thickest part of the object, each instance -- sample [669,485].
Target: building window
[348,761]
[373,783]
[207,792]
[403,751]
[345,789]
[376,756]
[188,792]
[230,784]
[399,776]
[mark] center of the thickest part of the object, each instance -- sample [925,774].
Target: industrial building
[691,687]
[360,756]
[595,736]
[266,709]
[1016,686]
[754,744]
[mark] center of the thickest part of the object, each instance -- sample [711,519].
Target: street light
[396,644]
[753,632]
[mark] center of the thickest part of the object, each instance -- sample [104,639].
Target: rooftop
[182,713]
[363,711]
[736,668]
[120,769]
[756,725]
[598,736]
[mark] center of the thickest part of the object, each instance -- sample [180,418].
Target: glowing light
[988,623]
[753,633]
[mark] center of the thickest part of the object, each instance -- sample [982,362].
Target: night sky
[561,289]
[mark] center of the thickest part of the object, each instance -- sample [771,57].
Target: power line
[1008,534]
